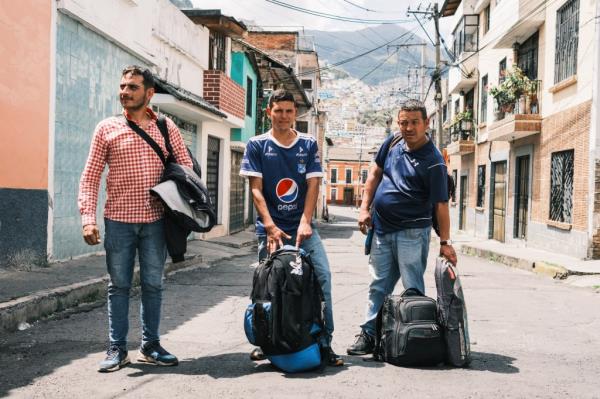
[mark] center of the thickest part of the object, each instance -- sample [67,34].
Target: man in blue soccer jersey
[284,171]
[407,181]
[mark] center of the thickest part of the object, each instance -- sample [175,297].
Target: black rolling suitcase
[407,331]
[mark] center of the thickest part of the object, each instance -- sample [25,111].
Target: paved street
[532,337]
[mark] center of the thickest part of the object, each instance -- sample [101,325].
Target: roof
[214,20]
[162,86]
[449,7]
[348,154]
[277,68]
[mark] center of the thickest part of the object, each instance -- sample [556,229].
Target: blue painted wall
[241,68]
[88,73]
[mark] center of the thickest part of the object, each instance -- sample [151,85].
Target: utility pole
[422,66]
[433,12]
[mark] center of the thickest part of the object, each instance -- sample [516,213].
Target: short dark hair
[281,95]
[413,105]
[145,73]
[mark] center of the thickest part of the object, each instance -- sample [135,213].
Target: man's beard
[136,106]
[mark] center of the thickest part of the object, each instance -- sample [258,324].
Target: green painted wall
[241,69]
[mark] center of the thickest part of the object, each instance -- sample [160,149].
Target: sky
[273,16]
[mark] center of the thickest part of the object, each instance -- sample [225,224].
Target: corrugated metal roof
[184,95]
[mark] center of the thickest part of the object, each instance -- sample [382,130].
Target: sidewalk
[27,296]
[577,272]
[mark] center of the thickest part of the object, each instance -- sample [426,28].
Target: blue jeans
[122,241]
[401,254]
[314,247]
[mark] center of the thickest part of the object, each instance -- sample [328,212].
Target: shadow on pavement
[482,361]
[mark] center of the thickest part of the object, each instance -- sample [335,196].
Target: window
[527,56]
[561,186]
[307,84]
[470,100]
[456,107]
[334,194]
[363,176]
[348,175]
[302,126]
[480,185]
[484,98]
[486,21]
[501,70]
[249,92]
[455,178]
[333,176]
[466,35]
[216,54]
[567,38]
[445,112]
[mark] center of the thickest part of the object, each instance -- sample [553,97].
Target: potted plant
[515,85]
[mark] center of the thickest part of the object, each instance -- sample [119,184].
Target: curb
[539,267]
[43,304]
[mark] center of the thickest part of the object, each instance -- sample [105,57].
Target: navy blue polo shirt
[412,182]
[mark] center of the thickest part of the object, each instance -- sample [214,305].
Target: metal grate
[561,186]
[528,57]
[484,98]
[217,53]
[567,38]
[237,197]
[212,170]
[480,185]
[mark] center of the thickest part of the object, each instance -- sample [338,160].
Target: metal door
[348,196]
[462,210]
[521,197]
[237,196]
[498,201]
[212,170]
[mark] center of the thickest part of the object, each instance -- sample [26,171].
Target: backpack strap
[161,122]
[147,139]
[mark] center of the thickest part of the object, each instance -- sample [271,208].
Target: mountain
[336,46]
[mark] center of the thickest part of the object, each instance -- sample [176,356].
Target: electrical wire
[337,17]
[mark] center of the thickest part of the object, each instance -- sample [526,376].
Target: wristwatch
[446,242]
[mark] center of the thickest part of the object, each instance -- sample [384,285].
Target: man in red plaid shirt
[133,219]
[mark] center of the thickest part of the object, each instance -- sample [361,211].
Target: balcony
[520,19]
[224,93]
[462,138]
[519,119]
[465,47]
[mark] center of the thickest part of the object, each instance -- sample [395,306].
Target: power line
[337,17]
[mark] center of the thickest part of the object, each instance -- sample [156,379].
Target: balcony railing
[463,130]
[526,104]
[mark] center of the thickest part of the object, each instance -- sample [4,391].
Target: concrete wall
[25,101]
[88,73]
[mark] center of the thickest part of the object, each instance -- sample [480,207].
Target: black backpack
[407,332]
[286,314]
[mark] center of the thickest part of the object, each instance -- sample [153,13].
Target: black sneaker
[363,346]
[257,354]
[330,357]
[153,353]
[115,359]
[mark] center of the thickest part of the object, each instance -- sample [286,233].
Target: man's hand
[304,232]
[91,234]
[364,220]
[447,251]
[275,237]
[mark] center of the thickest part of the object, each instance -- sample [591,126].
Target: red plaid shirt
[133,169]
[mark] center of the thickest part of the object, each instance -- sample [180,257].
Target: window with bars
[486,15]
[484,99]
[212,170]
[561,186]
[363,176]
[567,38]
[302,126]
[501,70]
[480,185]
[217,53]
[348,175]
[333,176]
[527,56]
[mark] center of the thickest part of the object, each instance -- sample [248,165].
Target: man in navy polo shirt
[284,170]
[408,180]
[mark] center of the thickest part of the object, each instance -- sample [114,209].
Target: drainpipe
[593,219]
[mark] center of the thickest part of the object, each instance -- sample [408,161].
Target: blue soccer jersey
[284,171]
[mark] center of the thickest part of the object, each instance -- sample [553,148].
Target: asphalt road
[532,338]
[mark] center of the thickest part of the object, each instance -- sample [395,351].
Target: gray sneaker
[153,353]
[116,358]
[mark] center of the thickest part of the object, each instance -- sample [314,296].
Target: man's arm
[442,214]
[87,198]
[274,234]
[373,180]
[310,202]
